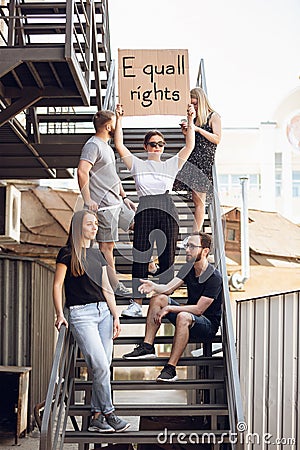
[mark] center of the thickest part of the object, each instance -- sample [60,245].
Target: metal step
[143,385]
[183,233]
[66,117]
[38,8]
[153,362]
[147,437]
[184,361]
[125,249]
[128,340]
[121,301]
[134,134]
[157,410]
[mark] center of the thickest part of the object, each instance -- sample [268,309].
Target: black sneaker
[117,423]
[167,374]
[141,352]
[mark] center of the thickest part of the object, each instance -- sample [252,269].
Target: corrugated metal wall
[268,345]
[27,333]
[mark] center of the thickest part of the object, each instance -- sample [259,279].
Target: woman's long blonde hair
[77,243]
[204,107]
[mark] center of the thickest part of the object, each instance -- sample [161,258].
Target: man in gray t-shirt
[101,187]
[104,183]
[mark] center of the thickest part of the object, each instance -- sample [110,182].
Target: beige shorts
[109,220]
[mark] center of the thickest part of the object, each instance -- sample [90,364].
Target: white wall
[253,152]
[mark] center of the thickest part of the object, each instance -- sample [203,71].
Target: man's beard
[189,258]
[112,133]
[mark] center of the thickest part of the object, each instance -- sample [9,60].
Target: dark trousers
[156,220]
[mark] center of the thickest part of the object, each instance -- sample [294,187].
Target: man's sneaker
[167,374]
[122,290]
[117,423]
[100,425]
[133,310]
[141,352]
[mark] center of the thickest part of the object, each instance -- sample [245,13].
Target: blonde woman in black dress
[196,175]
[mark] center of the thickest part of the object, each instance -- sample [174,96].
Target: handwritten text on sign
[153,81]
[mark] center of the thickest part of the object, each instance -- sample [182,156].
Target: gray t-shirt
[104,182]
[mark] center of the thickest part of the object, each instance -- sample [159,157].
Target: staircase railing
[75,28]
[79,35]
[110,97]
[75,25]
[59,393]
[235,406]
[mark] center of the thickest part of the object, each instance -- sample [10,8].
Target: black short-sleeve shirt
[209,284]
[86,288]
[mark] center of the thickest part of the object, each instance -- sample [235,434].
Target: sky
[250,48]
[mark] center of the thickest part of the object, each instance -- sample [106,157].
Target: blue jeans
[201,326]
[92,328]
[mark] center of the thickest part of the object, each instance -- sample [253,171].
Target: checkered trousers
[157,220]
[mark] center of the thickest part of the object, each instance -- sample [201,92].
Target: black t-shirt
[86,288]
[209,284]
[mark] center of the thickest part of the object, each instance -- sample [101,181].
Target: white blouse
[154,177]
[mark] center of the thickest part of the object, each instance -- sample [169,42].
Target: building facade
[269,156]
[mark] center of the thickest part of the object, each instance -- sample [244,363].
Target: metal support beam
[50,92]
[1,90]
[33,119]
[6,65]
[55,74]
[19,133]
[17,79]
[18,106]
[35,74]
[10,58]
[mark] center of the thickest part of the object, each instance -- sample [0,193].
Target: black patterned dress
[196,173]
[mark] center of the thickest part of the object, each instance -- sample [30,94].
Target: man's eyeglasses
[191,246]
[156,144]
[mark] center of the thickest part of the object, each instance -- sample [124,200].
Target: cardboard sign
[153,82]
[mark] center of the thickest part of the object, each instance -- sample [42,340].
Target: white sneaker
[133,310]
[122,290]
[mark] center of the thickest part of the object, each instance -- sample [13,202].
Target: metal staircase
[209,383]
[55,72]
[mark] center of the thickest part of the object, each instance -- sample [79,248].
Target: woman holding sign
[196,175]
[156,217]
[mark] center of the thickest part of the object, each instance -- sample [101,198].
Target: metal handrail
[110,98]
[236,414]
[235,405]
[59,392]
[201,80]
[106,36]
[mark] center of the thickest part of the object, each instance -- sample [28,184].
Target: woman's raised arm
[185,152]
[123,151]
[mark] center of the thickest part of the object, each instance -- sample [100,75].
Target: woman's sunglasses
[156,144]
